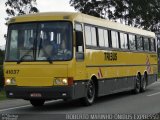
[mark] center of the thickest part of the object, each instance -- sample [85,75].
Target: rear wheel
[37,103]
[90,96]
[144,84]
[138,84]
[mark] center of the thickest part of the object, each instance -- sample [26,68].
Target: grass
[2,95]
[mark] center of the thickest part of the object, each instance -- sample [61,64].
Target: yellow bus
[65,55]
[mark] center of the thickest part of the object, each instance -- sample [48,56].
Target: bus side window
[146,43]
[103,37]
[124,41]
[132,42]
[139,42]
[79,42]
[152,44]
[115,39]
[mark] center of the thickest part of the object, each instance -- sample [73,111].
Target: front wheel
[37,103]
[137,85]
[90,96]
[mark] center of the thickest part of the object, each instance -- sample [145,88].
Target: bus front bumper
[46,93]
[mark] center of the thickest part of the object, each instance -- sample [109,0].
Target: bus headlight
[63,81]
[10,81]
[60,81]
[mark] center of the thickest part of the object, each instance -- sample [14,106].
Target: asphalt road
[121,103]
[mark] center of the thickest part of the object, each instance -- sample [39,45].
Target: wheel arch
[146,75]
[139,74]
[95,80]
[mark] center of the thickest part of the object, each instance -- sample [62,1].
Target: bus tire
[90,95]
[137,85]
[37,103]
[144,83]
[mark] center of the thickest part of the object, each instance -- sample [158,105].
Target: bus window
[132,42]
[114,37]
[94,40]
[54,42]
[13,45]
[78,27]
[21,38]
[106,43]
[90,34]
[146,43]
[152,41]
[103,37]
[139,43]
[124,41]
[39,41]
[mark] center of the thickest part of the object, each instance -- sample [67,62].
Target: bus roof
[80,17]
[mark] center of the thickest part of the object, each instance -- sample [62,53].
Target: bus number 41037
[12,71]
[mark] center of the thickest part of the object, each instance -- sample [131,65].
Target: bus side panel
[114,85]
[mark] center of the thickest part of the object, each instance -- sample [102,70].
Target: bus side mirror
[79,46]
[79,38]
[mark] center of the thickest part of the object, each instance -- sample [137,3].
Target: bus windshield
[40,41]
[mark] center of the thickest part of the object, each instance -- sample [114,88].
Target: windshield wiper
[49,60]
[25,55]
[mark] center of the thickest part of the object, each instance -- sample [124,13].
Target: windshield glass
[39,41]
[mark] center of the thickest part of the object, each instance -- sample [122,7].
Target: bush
[1,77]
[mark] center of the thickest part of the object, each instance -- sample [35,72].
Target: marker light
[13,81]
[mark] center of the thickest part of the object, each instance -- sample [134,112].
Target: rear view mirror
[79,38]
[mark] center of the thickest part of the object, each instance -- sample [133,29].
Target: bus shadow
[73,105]
[121,95]
[59,106]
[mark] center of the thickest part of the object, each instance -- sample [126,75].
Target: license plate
[36,95]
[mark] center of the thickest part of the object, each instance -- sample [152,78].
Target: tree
[87,7]
[138,13]
[1,56]
[20,7]
[1,68]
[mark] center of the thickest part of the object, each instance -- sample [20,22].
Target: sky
[42,5]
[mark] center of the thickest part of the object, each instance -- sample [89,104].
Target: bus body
[102,57]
